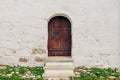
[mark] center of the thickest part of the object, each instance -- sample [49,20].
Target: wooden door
[59,37]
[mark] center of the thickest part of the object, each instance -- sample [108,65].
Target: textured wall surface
[95,31]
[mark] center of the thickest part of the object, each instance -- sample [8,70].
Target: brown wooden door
[59,37]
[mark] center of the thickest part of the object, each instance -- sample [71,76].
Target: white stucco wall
[95,31]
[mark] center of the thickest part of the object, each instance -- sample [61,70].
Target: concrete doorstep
[58,69]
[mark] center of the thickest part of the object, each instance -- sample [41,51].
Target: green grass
[21,73]
[98,74]
[35,73]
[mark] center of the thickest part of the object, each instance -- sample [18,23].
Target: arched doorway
[59,37]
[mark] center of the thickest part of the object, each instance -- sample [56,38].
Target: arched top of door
[62,15]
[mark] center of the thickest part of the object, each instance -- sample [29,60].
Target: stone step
[56,78]
[59,63]
[58,75]
[59,68]
[58,71]
[59,59]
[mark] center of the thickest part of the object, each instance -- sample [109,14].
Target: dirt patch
[38,59]
[38,51]
[23,60]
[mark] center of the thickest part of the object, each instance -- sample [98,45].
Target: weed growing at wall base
[35,73]
[97,74]
[21,73]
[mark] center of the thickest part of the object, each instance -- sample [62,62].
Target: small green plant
[98,74]
[15,77]
[22,70]
[17,73]
[3,78]
[37,71]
